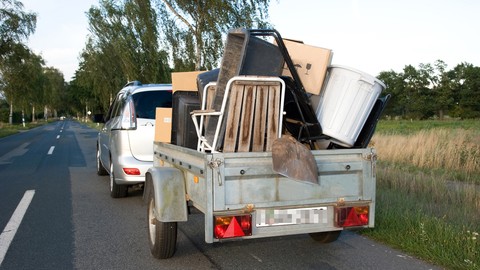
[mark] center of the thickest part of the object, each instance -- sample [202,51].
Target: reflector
[352,216]
[131,171]
[232,226]
[234,229]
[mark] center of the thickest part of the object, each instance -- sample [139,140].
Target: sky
[368,35]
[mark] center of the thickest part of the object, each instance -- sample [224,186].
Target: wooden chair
[253,110]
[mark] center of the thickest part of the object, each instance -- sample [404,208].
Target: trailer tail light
[131,171]
[232,226]
[351,216]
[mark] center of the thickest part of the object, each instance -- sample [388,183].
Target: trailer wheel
[162,236]
[326,237]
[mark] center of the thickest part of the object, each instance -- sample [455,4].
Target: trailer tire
[162,236]
[325,237]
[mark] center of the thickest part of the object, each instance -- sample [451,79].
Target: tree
[53,91]
[466,98]
[442,88]
[15,25]
[123,47]
[194,30]
[395,87]
[130,34]
[22,76]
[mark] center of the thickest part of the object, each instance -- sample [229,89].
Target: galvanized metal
[245,182]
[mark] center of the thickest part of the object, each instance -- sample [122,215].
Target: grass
[455,152]
[428,190]
[7,129]
[405,127]
[96,126]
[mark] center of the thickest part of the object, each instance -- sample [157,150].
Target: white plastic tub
[346,100]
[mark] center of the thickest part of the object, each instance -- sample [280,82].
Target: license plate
[278,217]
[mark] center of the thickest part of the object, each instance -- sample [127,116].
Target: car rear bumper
[121,178]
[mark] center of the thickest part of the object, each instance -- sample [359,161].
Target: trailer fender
[169,190]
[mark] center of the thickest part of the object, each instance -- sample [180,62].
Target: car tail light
[351,216]
[232,226]
[129,120]
[131,171]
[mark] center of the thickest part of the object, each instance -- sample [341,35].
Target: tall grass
[428,191]
[455,150]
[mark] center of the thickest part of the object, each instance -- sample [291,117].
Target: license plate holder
[280,217]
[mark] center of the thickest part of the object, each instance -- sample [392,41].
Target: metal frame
[203,144]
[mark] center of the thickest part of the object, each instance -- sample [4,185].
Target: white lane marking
[58,136]
[50,151]
[61,130]
[12,226]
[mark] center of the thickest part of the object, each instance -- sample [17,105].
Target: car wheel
[116,191]
[162,236]
[326,237]
[100,169]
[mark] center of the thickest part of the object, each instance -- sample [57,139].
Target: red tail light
[351,216]
[232,226]
[129,120]
[131,171]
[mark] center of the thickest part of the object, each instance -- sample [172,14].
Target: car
[125,141]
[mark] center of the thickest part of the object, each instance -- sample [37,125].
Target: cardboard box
[163,125]
[185,81]
[311,63]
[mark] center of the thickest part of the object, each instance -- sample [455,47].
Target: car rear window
[146,102]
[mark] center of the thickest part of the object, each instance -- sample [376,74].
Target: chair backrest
[254,114]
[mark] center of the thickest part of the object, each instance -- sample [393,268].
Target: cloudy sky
[369,35]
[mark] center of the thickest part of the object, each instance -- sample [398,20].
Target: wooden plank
[246,122]
[210,96]
[260,122]
[233,111]
[274,94]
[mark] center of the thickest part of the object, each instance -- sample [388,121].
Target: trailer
[258,170]
[243,198]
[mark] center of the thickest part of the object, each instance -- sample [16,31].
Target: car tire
[100,169]
[325,237]
[116,190]
[162,236]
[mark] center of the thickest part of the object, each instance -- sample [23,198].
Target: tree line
[146,40]
[141,40]
[26,84]
[433,91]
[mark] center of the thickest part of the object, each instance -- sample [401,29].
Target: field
[428,190]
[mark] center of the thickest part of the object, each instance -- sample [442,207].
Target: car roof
[131,89]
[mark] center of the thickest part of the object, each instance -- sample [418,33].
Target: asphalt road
[72,223]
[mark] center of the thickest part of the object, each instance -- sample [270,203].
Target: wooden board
[233,118]
[253,117]
[260,123]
